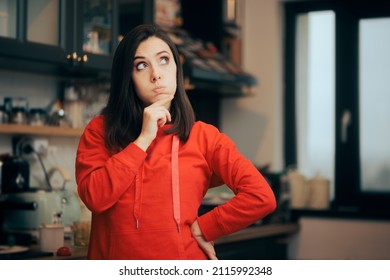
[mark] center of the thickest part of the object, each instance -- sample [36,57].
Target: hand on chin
[164,99]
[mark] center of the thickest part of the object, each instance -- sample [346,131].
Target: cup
[81,233]
[51,237]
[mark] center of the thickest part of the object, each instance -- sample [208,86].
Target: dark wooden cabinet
[28,48]
[215,22]
[262,242]
[214,69]
[95,35]
[204,19]
[268,248]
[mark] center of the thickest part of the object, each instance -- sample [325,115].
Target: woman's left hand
[206,246]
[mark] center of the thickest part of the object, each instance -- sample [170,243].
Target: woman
[144,165]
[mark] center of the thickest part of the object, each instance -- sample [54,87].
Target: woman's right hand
[206,246]
[154,116]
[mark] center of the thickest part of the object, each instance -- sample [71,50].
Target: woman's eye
[164,60]
[141,66]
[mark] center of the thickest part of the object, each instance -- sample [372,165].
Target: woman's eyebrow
[157,54]
[139,57]
[162,52]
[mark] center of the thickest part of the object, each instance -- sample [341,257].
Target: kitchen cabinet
[134,12]
[96,30]
[64,38]
[264,242]
[211,64]
[220,28]
[41,40]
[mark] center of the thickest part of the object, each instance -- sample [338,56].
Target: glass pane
[8,18]
[374,100]
[315,94]
[97,26]
[131,14]
[43,23]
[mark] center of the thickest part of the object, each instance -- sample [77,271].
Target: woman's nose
[155,78]
[155,75]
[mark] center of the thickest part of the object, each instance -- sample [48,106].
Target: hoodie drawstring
[175,180]
[175,186]
[137,202]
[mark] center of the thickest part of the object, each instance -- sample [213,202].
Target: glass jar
[18,116]
[3,115]
[37,116]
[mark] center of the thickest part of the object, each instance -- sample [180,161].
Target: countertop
[261,231]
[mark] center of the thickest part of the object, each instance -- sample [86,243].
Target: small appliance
[15,174]
[52,205]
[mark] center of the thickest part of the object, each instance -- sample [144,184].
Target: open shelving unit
[17,129]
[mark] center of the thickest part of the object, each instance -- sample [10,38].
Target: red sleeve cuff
[209,225]
[132,155]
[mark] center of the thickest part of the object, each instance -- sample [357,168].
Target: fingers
[164,101]
[210,251]
[161,106]
[154,116]
[159,115]
[206,246]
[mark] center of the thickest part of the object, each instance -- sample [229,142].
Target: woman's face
[154,72]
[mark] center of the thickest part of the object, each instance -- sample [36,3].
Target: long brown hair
[123,113]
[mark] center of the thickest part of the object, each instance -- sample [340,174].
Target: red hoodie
[142,208]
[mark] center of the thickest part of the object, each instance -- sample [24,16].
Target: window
[374,96]
[337,90]
[315,94]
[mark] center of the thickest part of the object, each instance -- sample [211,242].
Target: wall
[341,239]
[255,122]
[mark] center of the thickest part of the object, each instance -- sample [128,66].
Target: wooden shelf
[16,129]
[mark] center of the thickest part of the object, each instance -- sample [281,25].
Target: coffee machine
[25,208]
[15,174]
[14,178]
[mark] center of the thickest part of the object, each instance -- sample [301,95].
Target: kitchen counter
[237,239]
[245,235]
[261,231]
[78,253]
[33,252]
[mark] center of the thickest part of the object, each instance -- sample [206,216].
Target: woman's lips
[159,89]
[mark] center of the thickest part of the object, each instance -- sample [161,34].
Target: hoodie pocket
[151,244]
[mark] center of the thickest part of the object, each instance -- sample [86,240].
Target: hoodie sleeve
[254,198]
[101,177]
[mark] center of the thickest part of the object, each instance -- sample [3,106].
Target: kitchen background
[254,119]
